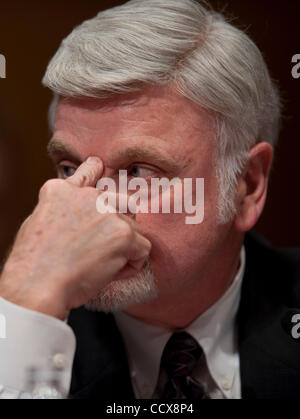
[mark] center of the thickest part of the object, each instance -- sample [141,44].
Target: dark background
[30,33]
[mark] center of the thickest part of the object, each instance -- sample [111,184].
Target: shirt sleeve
[32,339]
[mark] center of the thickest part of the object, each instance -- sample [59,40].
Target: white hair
[118,295]
[188,45]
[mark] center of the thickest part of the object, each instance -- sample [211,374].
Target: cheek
[184,232]
[178,250]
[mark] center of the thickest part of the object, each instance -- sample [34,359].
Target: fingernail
[93,159]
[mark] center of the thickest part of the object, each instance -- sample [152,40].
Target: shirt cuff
[32,339]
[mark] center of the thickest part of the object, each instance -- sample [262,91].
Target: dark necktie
[180,356]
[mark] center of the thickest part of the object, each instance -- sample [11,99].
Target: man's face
[156,133]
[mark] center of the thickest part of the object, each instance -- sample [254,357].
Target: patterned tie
[180,356]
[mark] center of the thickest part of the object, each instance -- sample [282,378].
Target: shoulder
[270,300]
[272,271]
[258,246]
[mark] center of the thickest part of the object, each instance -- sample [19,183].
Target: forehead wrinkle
[136,121]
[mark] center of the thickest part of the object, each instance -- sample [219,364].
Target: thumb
[87,173]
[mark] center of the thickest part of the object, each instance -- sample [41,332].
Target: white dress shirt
[35,339]
[215,331]
[32,339]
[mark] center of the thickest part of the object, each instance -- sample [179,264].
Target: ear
[252,187]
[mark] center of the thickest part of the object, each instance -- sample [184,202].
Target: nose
[108,171]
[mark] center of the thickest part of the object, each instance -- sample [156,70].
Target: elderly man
[154,306]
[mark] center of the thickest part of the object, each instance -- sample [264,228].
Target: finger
[137,265]
[113,202]
[88,173]
[130,270]
[130,219]
[24,225]
[139,249]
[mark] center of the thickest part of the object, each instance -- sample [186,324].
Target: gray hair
[188,45]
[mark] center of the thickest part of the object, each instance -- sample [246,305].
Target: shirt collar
[144,345]
[214,330]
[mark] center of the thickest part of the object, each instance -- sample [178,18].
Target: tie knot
[181,354]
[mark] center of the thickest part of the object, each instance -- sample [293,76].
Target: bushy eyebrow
[139,154]
[57,148]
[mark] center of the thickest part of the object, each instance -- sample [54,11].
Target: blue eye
[66,171]
[139,171]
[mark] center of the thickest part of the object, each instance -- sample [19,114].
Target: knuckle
[124,231]
[51,186]
[82,179]
[24,225]
[90,191]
